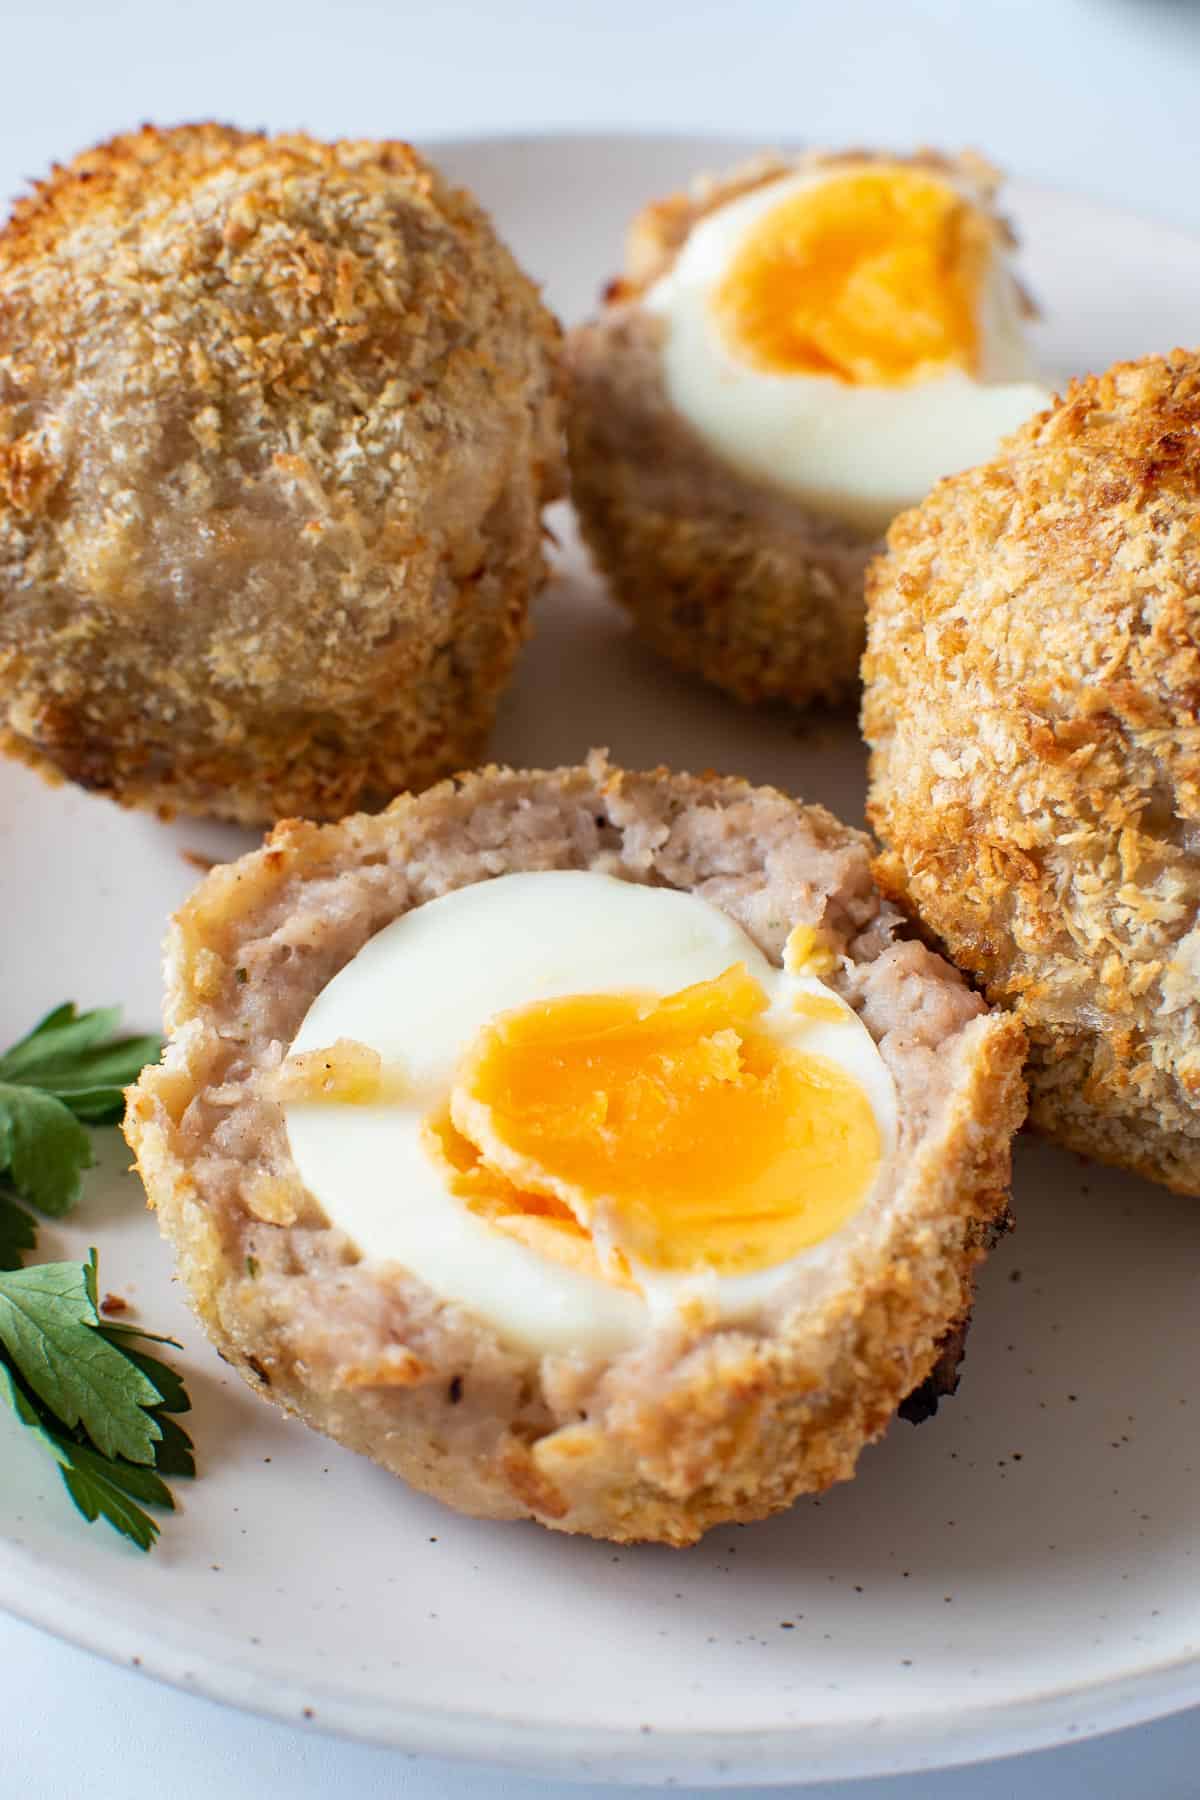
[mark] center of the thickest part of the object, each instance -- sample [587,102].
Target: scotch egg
[797,353]
[581,1146]
[278,418]
[1030,700]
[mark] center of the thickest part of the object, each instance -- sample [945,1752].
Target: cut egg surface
[850,334]
[573,1104]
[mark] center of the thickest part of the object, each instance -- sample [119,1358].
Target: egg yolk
[674,1133]
[871,276]
[539,1221]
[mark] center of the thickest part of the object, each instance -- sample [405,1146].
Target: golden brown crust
[729,578]
[111,177]
[1033,704]
[277,419]
[700,1425]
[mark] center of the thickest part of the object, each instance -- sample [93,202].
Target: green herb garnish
[96,1400]
[68,1072]
[18,1233]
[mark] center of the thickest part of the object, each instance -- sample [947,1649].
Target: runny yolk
[674,1133]
[871,276]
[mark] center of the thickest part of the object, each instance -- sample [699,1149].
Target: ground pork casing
[277,420]
[726,577]
[1032,686]
[696,1426]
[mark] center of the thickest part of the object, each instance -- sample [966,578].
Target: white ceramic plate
[1019,1570]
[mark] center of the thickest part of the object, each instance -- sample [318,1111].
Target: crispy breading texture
[1033,707]
[700,1424]
[277,420]
[726,576]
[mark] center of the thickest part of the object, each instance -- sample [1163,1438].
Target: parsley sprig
[67,1073]
[88,1390]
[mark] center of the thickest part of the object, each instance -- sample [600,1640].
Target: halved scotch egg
[581,1146]
[797,352]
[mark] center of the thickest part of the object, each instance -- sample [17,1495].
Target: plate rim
[862,1746]
[513,137]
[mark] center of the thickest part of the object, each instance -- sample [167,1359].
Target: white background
[1098,95]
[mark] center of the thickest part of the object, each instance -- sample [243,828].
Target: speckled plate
[1018,1571]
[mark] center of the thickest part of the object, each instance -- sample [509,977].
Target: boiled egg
[850,333]
[574,1105]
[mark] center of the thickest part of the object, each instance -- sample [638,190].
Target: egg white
[860,454]
[421,990]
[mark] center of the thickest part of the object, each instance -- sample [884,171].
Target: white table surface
[1098,95]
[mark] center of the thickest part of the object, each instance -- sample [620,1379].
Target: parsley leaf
[102,1488]
[47,1325]
[172,1395]
[43,1148]
[22,1404]
[73,1048]
[173,1454]
[89,1392]
[18,1233]
[112,1434]
[67,1072]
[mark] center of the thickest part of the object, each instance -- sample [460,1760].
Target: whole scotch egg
[582,1146]
[1032,704]
[277,421]
[796,353]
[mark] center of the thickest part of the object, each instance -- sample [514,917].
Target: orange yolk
[871,276]
[677,1132]
[539,1221]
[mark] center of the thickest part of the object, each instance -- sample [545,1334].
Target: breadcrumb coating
[277,419]
[1033,707]
[726,576]
[699,1424]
